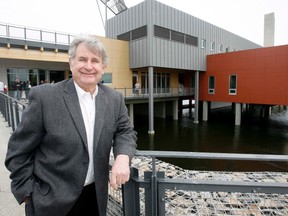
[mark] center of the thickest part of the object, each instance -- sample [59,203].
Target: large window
[33,76]
[19,73]
[211,85]
[107,77]
[161,83]
[139,33]
[161,32]
[233,85]
[134,34]
[125,36]
[175,35]
[191,40]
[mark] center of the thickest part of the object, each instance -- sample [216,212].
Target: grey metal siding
[138,53]
[159,52]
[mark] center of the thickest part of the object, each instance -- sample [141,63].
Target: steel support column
[196,109]
[151,101]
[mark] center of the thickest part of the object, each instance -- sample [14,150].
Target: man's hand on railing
[120,172]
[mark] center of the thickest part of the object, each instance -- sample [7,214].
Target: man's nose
[88,65]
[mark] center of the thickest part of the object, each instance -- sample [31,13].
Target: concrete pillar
[270,110]
[160,109]
[131,113]
[151,101]
[175,110]
[237,114]
[267,111]
[47,76]
[163,109]
[196,109]
[205,111]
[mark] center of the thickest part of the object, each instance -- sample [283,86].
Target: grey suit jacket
[47,154]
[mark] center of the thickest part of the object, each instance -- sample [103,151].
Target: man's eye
[82,59]
[95,60]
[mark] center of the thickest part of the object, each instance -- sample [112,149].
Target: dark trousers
[86,204]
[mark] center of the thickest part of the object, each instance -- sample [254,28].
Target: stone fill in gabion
[188,202]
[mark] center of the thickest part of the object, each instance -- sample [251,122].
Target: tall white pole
[106,18]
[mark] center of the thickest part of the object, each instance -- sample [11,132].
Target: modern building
[36,60]
[249,79]
[166,50]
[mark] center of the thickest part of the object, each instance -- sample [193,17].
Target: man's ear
[70,63]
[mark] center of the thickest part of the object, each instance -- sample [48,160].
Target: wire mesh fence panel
[114,207]
[179,202]
[208,202]
[190,202]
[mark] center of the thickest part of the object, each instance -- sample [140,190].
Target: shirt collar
[81,92]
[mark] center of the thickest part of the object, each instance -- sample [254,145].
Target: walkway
[8,204]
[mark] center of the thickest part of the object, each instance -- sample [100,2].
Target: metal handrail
[157,183]
[34,34]
[209,155]
[129,93]
[11,109]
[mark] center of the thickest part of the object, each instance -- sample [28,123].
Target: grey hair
[92,43]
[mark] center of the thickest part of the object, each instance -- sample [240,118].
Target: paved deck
[8,204]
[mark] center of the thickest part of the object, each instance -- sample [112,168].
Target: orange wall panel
[262,76]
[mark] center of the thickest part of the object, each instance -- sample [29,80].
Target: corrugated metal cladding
[162,52]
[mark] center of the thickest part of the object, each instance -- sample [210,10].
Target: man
[2,86]
[17,89]
[59,154]
[137,88]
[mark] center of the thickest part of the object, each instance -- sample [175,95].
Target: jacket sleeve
[125,137]
[22,146]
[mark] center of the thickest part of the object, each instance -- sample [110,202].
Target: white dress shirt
[87,104]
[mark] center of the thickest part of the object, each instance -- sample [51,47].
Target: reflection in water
[254,136]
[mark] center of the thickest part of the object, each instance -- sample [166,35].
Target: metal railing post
[12,109]
[9,117]
[8,31]
[154,188]
[6,108]
[17,114]
[153,202]
[130,195]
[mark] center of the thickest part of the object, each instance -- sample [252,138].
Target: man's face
[87,68]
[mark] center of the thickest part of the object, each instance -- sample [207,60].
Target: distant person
[16,86]
[5,89]
[137,88]
[2,86]
[59,154]
[27,88]
[23,90]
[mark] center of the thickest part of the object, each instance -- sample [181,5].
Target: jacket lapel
[99,115]
[73,106]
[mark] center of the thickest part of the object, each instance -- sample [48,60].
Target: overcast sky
[242,17]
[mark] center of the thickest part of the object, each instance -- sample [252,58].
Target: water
[219,134]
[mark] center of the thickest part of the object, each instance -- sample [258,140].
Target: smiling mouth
[88,74]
